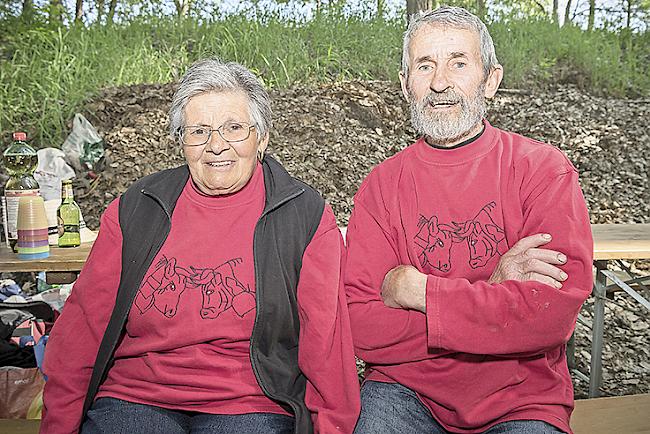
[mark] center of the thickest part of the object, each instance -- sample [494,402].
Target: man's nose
[440,81]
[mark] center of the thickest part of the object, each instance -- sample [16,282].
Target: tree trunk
[380,9]
[28,9]
[56,11]
[78,11]
[182,8]
[567,13]
[628,11]
[186,8]
[111,11]
[480,8]
[592,14]
[555,17]
[415,6]
[100,10]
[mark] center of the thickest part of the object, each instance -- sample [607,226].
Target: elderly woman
[211,301]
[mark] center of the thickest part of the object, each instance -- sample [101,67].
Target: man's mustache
[449,96]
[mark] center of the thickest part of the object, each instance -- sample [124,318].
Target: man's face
[446,87]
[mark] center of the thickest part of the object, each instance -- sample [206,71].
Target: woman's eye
[460,65]
[234,127]
[199,131]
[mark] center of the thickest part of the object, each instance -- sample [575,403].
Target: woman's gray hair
[213,75]
[457,18]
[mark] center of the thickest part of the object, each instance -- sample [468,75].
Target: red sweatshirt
[187,337]
[483,353]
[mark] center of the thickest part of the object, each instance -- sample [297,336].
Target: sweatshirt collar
[246,194]
[279,186]
[470,150]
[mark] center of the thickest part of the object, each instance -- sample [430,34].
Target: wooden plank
[615,241]
[60,259]
[611,241]
[19,426]
[621,241]
[620,414]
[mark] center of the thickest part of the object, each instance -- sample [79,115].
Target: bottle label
[12,199]
[66,191]
[68,218]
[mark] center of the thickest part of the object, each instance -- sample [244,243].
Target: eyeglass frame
[218,130]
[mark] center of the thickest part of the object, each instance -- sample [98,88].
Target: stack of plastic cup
[32,228]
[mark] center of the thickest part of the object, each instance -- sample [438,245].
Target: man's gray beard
[443,128]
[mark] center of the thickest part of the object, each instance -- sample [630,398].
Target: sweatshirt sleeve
[75,337]
[382,335]
[326,356]
[520,318]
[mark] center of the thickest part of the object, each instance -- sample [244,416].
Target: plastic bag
[51,170]
[84,147]
[21,393]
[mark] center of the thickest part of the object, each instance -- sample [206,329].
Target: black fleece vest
[290,218]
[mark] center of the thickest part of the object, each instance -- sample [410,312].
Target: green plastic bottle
[20,160]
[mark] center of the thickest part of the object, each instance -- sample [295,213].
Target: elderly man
[460,300]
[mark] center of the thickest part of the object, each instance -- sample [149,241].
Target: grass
[47,73]
[537,51]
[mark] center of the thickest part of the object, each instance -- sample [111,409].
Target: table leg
[596,370]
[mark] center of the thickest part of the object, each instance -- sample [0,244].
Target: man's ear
[493,81]
[405,86]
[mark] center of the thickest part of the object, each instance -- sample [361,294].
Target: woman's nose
[216,143]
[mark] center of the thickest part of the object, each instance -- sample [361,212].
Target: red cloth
[187,337]
[483,353]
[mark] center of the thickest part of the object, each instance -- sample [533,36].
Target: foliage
[535,50]
[48,70]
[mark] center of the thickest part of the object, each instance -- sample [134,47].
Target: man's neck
[465,139]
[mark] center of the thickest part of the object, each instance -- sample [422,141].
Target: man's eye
[424,68]
[460,65]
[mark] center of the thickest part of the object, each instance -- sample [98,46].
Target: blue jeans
[114,416]
[390,408]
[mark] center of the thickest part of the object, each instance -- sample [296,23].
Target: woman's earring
[260,155]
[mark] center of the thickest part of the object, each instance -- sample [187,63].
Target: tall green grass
[46,74]
[536,52]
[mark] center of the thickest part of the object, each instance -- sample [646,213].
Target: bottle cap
[19,135]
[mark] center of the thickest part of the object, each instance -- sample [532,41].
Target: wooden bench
[616,415]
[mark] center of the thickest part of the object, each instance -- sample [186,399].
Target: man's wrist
[417,296]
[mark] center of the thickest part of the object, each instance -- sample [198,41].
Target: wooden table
[62,265]
[621,241]
[613,242]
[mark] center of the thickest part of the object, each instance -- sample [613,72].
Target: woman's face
[220,167]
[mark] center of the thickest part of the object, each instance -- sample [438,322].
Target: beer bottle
[68,215]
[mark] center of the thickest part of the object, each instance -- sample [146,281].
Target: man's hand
[405,287]
[525,262]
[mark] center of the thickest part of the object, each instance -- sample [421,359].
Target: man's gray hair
[456,18]
[213,75]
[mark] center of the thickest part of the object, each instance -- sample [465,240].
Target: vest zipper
[160,202]
[256,324]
